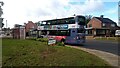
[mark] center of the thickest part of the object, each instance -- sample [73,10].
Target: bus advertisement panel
[55,27]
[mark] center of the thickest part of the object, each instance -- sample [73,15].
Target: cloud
[87,7]
[20,11]
[96,0]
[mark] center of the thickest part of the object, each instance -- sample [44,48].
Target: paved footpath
[109,57]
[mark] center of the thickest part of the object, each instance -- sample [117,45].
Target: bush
[31,38]
[42,39]
[60,44]
[38,39]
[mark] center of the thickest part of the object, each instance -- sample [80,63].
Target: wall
[30,25]
[16,33]
[95,23]
[19,33]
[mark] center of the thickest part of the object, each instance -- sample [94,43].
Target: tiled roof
[105,20]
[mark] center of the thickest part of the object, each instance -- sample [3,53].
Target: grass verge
[115,39]
[35,53]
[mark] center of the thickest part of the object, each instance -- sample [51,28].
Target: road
[106,46]
[106,50]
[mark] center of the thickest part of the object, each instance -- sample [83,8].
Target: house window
[32,26]
[90,25]
[103,24]
[113,25]
[100,32]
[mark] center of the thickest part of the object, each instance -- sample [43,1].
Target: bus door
[73,32]
[72,39]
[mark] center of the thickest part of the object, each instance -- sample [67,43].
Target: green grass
[35,53]
[116,39]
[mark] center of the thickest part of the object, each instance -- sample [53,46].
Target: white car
[2,35]
[117,32]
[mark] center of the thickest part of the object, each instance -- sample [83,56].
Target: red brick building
[30,26]
[99,26]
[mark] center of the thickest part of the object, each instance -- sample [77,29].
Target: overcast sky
[21,11]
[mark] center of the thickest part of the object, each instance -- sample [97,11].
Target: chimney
[101,16]
[25,23]
[30,22]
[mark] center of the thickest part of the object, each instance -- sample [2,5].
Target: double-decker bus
[69,30]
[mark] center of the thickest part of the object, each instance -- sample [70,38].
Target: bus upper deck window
[43,23]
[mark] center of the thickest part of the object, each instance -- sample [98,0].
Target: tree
[2,24]
[1,12]
[88,18]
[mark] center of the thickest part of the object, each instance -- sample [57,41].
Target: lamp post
[119,13]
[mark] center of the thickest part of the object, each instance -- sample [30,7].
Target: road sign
[51,41]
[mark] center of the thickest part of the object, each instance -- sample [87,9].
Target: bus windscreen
[81,20]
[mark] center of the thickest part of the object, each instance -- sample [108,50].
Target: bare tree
[1,12]
[88,18]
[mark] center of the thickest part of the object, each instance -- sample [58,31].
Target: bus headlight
[78,38]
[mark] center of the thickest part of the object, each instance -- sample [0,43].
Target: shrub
[42,39]
[38,39]
[60,44]
[31,38]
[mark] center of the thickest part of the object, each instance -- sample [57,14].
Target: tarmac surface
[107,50]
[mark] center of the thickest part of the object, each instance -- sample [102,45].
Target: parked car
[117,33]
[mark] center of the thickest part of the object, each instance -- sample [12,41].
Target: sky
[22,11]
